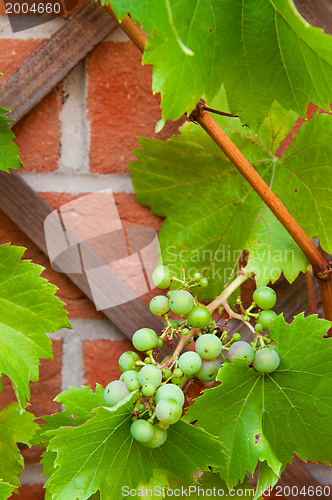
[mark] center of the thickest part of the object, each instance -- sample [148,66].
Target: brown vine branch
[321,266]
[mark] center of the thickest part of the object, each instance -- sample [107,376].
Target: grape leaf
[212,213]
[101,455]
[28,309]
[8,150]
[261,51]
[5,490]
[14,427]
[272,416]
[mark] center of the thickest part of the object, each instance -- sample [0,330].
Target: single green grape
[185,331]
[159,305]
[174,324]
[241,350]
[181,302]
[204,283]
[150,374]
[190,362]
[266,360]
[208,370]
[130,378]
[197,276]
[168,411]
[170,293]
[161,277]
[266,319]
[236,337]
[115,392]
[141,407]
[159,437]
[160,343]
[167,373]
[199,317]
[127,361]
[265,297]
[148,389]
[177,372]
[170,391]
[258,327]
[208,346]
[144,339]
[142,431]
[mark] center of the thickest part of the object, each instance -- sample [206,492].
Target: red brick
[30,492]
[100,359]
[44,391]
[121,106]
[38,134]
[15,52]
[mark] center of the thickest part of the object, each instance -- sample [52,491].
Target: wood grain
[50,64]
[317,12]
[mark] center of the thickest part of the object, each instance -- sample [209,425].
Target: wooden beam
[317,13]
[50,64]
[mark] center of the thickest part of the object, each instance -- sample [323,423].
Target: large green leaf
[101,455]
[261,51]
[268,417]
[28,310]
[14,427]
[212,213]
[8,150]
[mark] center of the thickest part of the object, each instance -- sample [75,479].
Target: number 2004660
[286,491]
[35,8]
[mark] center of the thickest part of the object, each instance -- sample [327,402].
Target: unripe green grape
[159,305]
[170,293]
[204,283]
[127,361]
[161,277]
[115,392]
[265,297]
[185,331]
[181,302]
[197,276]
[208,346]
[174,324]
[177,372]
[163,426]
[168,411]
[142,431]
[190,362]
[170,391]
[144,339]
[150,374]
[130,378]
[246,318]
[266,360]
[159,437]
[241,350]
[141,407]
[208,370]
[160,343]
[199,317]
[148,390]
[147,360]
[236,337]
[258,327]
[266,318]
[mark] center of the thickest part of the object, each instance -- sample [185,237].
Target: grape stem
[194,332]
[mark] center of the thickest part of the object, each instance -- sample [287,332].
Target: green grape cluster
[159,385]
